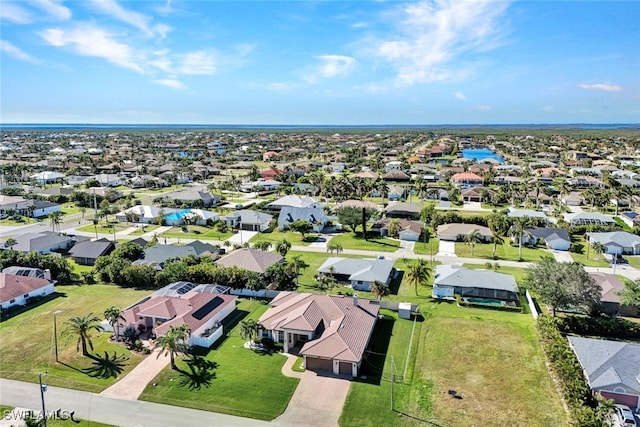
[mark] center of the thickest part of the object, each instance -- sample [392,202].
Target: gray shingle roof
[455,275]
[366,270]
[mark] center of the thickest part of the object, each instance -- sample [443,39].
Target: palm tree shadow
[107,366]
[200,373]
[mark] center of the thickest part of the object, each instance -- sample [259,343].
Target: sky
[319,62]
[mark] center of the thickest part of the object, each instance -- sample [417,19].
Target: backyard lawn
[247,383]
[504,251]
[28,345]
[355,241]
[197,232]
[491,359]
[276,236]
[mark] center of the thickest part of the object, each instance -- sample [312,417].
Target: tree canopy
[631,293]
[563,285]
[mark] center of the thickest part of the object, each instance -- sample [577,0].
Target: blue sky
[326,62]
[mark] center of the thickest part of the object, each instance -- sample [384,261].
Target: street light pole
[43,388]
[55,332]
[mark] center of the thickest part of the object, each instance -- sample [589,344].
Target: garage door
[315,364]
[345,368]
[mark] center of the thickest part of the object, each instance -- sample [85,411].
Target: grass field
[504,251]
[431,246]
[28,345]
[276,236]
[197,232]
[104,228]
[247,383]
[355,241]
[492,359]
[148,228]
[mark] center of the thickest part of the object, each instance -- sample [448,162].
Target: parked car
[624,416]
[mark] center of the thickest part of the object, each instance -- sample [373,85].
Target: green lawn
[634,261]
[505,251]
[277,236]
[70,209]
[247,383]
[355,241]
[518,273]
[315,260]
[431,246]
[104,228]
[197,232]
[595,260]
[492,359]
[28,345]
[147,229]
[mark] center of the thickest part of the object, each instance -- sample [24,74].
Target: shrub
[606,327]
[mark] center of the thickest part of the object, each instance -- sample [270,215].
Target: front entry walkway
[317,401]
[132,385]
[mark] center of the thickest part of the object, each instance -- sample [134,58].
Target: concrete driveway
[317,402]
[447,249]
[561,256]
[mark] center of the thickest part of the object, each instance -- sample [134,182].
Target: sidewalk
[132,385]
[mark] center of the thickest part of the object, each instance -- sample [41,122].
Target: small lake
[478,154]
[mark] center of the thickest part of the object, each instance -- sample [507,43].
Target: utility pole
[55,332]
[43,388]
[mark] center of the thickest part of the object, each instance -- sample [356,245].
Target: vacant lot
[491,359]
[28,345]
[355,241]
[247,383]
[505,251]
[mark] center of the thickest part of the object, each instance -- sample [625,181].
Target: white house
[315,216]
[360,273]
[260,185]
[17,289]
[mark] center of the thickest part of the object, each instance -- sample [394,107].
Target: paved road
[118,412]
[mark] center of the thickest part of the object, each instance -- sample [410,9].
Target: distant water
[478,154]
[191,127]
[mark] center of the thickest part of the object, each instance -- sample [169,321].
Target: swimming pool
[177,216]
[487,301]
[478,154]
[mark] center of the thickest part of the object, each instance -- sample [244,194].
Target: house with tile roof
[612,368]
[250,259]
[17,289]
[612,287]
[201,307]
[359,273]
[466,180]
[331,332]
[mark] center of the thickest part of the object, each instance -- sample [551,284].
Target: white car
[624,416]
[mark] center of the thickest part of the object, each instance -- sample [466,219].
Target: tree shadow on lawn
[200,373]
[376,354]
[107,366]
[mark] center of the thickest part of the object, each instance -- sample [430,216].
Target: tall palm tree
[497,240]
[95,226]
[55,218]
[419,274]
[337,247]
[380,289]
[174,342]
[394,227]
[519,230]
[297,263]
[472,238]
[598,248]
[248,329]
[262,245]
[283,247]
[113,315]
[82,326]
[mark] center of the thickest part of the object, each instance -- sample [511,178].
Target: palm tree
[10,242]
[174,342]
[472,238]
[55,220]
[380,289]
[496,241]
[95,226]
[283,247]
[337,247]
[394,227]
[82,326]
[262,245]
[598,248]
[248,329]
[113,315]
[518,230]
[419,274]
[297,263]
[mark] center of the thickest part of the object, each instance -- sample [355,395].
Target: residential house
[250,259]
[87,252]
[632,219]
[528,213]
[201,307]
[19,289]
[330,332]
[610,300]
[158,254]
[193,198]
[616,242]
[270,174]
[147,214]
[44,242]
[554,238]
[466,180]
[359,273]
[612,368]
[572,199]
[294,201]
[204,249]
[586,181]
[404,210]
[396,193]
[477,194]
[409,230]
[248,220]
[397,176]
[15,204]
[315,216]
[588,218]
[457,232]
[450,280]
[395,165]
[260,185]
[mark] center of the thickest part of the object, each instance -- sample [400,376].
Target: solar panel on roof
[207,308]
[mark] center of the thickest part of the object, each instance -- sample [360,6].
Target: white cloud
[89,40]
[460,96]
[197,63]
[11,12]
[54,8]
[113,8]
[16,52]
[431,34]
[172,83]
[330,66]
[548,109]
[606,87]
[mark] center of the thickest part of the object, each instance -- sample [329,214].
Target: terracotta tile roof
[348,322]
[250,259]
[13,286]
[466,176]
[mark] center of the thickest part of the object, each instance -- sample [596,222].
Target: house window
[12,301]
[280,336]
[359,282]
[26,295]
